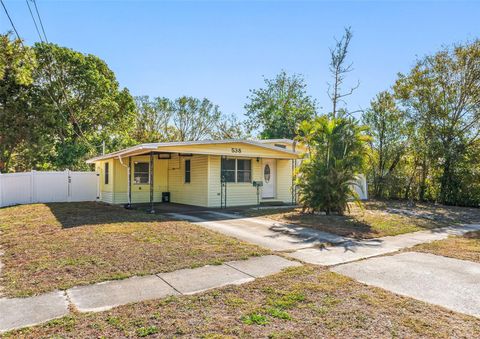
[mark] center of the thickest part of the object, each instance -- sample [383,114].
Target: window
[244,170]
[141,173]
[280,145]
[236,170]
[187,171]
[106,173]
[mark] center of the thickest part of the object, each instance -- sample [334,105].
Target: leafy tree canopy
[279,107]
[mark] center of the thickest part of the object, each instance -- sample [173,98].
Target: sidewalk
[22,312]
[353,250]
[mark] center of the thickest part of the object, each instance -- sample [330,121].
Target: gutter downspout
[129,204]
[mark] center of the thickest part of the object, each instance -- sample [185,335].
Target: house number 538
[236,150]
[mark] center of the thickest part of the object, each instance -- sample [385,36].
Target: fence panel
[83,186]
[39,187]
[15,188]
[50,186]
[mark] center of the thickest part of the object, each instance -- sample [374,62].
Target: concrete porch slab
[262,266]
[22,312]
[106,295]
[190,281]
[447,282]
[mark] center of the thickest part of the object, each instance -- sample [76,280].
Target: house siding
[196,191]
[205,186]
[284,181]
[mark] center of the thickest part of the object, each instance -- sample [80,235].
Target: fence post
[67,171]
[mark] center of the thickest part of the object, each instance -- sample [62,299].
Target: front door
[269,178]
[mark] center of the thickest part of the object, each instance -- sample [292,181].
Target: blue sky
[221,49]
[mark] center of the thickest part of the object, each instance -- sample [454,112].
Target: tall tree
[387,127]
[339,69]
[194,119]
[443,93]
[17,122]
[153,120]
[279,107]
[82,105]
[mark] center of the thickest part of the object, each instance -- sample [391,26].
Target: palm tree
[337,149]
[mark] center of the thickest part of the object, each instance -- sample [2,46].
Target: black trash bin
[165,196]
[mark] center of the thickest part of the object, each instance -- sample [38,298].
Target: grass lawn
[57,246]
[466,247]
[377,218]
[307,301]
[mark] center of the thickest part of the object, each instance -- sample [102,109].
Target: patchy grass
[57,246]
[377,218]
[307,301]
[466,247]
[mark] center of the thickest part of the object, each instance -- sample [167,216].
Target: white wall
[38,187]
[361,187]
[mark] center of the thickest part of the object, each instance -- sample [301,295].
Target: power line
[40,20]
[11,21]
[34,21]
[51,59]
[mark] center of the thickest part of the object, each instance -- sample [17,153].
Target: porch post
[151,183]
[129,180]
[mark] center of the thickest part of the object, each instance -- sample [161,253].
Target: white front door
[269,177]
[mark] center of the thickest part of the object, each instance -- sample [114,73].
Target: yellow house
[210,173]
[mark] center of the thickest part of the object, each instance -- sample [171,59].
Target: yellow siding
[106,190]
[204,188]
[195,192]
[238,194]
[284,180]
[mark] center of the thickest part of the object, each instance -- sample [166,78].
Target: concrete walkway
[264,232]
[22,312]
[451,283]
[355,250]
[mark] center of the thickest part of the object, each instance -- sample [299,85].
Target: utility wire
[34,21]
[40,20]
[11,21]
[51,59]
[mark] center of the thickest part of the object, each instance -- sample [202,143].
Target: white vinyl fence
[36,187]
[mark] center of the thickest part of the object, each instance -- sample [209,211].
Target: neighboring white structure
[361,187]
[39,187]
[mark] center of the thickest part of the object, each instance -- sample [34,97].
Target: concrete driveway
[447,282]
[261,231]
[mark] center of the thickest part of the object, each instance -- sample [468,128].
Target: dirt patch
[57,246]
[307,302]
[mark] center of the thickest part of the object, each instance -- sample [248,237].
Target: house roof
[143,148]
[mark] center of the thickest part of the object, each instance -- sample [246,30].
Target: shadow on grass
[71,215]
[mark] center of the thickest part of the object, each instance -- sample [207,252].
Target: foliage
[16,76]
[194,119]
[280,106]
[387,146]
[82,104]
[153,119]
[433,128]
[58,106]
[183,119]
[337,148]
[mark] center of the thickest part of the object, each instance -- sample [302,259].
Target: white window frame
[236,171]
[148,172]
